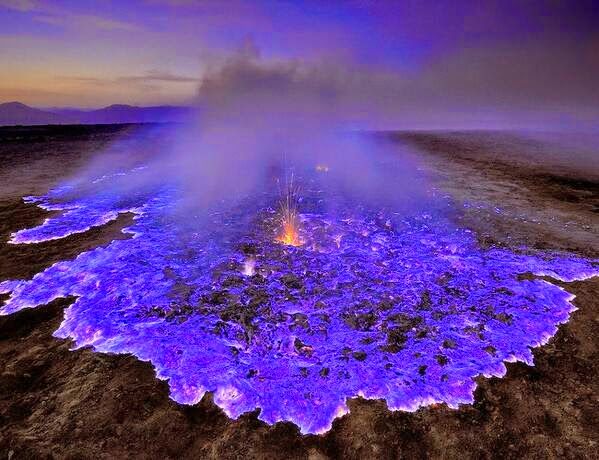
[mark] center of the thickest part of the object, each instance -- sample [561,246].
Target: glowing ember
[413,322]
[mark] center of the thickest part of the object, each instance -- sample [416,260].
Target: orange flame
[290,235]
[289,216]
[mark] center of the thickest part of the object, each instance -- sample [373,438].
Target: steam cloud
[257,120]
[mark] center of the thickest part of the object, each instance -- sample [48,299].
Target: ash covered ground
[536,197]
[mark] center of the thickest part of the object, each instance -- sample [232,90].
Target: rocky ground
[63,404]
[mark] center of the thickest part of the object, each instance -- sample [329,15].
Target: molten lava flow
[282,354]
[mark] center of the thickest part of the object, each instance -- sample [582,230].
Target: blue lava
[405,308]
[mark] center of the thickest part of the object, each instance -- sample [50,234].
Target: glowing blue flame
[410,310]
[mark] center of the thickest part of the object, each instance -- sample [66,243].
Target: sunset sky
[94,53]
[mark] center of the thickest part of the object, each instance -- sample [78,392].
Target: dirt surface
[58,403]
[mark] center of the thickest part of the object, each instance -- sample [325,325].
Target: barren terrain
[63,404]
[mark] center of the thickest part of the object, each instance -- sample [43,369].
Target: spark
[289,214]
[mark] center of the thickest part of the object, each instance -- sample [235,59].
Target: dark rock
[359,355]
[449,343]
[442,359]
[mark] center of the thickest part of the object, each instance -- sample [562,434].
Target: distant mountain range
[16,113]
